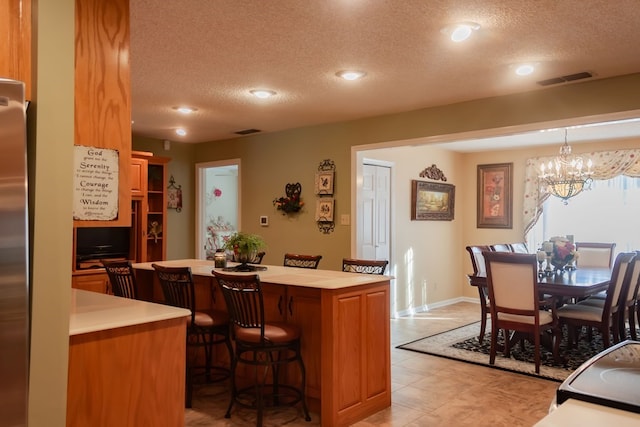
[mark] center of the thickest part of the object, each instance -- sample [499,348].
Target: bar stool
[122,278]
[302,261]
[205,329]
[267,345]
[365,266]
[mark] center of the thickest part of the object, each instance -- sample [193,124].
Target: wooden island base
[344,319]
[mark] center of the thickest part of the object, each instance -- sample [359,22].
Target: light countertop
[291,276]
[576,413]
[93,311]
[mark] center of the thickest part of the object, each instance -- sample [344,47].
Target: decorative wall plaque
[95,184]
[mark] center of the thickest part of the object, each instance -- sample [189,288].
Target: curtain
[606,165]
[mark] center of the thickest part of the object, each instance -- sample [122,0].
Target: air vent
[247,131]
[564,79]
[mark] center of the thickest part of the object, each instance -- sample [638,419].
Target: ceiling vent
[247,131]
[564,79]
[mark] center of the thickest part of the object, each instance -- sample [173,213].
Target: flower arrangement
[244,245]
[562,251]
[289,204]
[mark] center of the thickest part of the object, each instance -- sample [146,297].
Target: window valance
[607,165]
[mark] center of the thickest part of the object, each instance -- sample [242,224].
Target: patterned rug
[462,344]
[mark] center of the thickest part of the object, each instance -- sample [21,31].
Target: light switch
[344,219]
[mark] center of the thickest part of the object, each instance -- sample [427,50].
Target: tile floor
[426,390]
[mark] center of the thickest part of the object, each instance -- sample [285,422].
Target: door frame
[200,169]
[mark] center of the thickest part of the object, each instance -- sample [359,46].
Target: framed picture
[324,210]
[432,201]
[495,193]
[324,182]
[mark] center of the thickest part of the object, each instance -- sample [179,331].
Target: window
[609,212]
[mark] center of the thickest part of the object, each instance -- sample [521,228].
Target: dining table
[577,283]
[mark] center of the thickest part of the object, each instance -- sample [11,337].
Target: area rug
[462,344]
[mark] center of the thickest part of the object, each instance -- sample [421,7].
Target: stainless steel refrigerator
[14,256]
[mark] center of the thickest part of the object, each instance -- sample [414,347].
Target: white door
[217,205]
[374,209]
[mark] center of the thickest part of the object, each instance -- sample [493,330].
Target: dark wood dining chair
[478,264]
[122,278]
[205,329]
[595,254]
[501,247]
[519,247]
[302,261]
[603,316]
[628,309]
[512,280]
[366,266]
[261,344]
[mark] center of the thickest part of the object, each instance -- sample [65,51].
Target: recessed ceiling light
[351,74]
[181,132]
[461,31]
[262,93]
[525,69]
[185,110]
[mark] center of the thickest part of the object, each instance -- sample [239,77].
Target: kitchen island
[126,362]
[344,319]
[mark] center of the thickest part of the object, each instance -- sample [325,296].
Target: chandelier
[564,176]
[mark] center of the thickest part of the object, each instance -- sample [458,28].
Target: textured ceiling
[209,53]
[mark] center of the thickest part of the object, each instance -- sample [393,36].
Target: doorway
[217,205]
[373,201]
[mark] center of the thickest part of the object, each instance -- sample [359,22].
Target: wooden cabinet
[92,280]
[303,309]
[150,206]
[138,177]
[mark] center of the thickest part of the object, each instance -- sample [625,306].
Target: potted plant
[245,247]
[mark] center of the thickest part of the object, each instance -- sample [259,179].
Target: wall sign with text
[95,184]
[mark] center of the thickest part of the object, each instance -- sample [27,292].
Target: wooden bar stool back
[302,261]
[261,344]
[366,266]
[122,279]
[205,329]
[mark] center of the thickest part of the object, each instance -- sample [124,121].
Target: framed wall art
[324,182]
[495,193]
[432,201]
[324,210]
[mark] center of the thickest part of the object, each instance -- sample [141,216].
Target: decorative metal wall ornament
[432,172]
[292,202]
[174,195]
[324,190]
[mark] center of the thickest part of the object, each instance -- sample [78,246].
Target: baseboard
[427,307]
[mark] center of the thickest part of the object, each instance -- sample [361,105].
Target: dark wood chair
[302,261]
[595,254]
[366,266]
[629,303]
[122,278]
[501,247]
[478,264]
[261,344]
[519,247]
[512,280]
[205,329]
[600,315]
